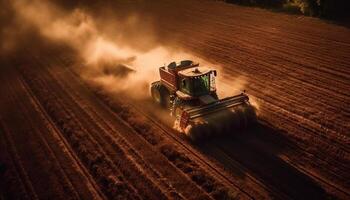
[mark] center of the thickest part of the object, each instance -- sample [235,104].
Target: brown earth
[62,138]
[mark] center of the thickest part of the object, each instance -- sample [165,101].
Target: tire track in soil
[299,152]
[331,168]
[90,152]
[268,167]
[257,142]
[62,187]
[74,160]
[14,168]
[313,129]
[310,131]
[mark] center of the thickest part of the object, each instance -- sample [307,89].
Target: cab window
[201,85]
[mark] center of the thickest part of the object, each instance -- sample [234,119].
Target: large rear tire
[160,94]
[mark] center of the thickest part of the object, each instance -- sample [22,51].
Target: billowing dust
[121,62]
[108,60]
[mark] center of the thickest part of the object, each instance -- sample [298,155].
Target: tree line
[319,8]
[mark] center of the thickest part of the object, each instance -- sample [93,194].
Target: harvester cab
[189,92]
[195,82]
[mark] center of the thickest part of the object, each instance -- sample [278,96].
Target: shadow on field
[257,150]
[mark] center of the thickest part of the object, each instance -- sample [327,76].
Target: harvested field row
[287,48]
[331,165]
[14,180]
[302,28]
[43,162]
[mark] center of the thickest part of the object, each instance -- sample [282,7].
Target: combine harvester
[189,92]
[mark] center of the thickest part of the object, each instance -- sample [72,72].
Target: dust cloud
[122,55]
[110,59]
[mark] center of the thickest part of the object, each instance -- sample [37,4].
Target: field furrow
[44,153]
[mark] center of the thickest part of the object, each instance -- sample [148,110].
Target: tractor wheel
[160,94]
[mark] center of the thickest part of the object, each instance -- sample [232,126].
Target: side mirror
[214,71]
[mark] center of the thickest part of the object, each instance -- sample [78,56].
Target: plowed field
[62,137]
